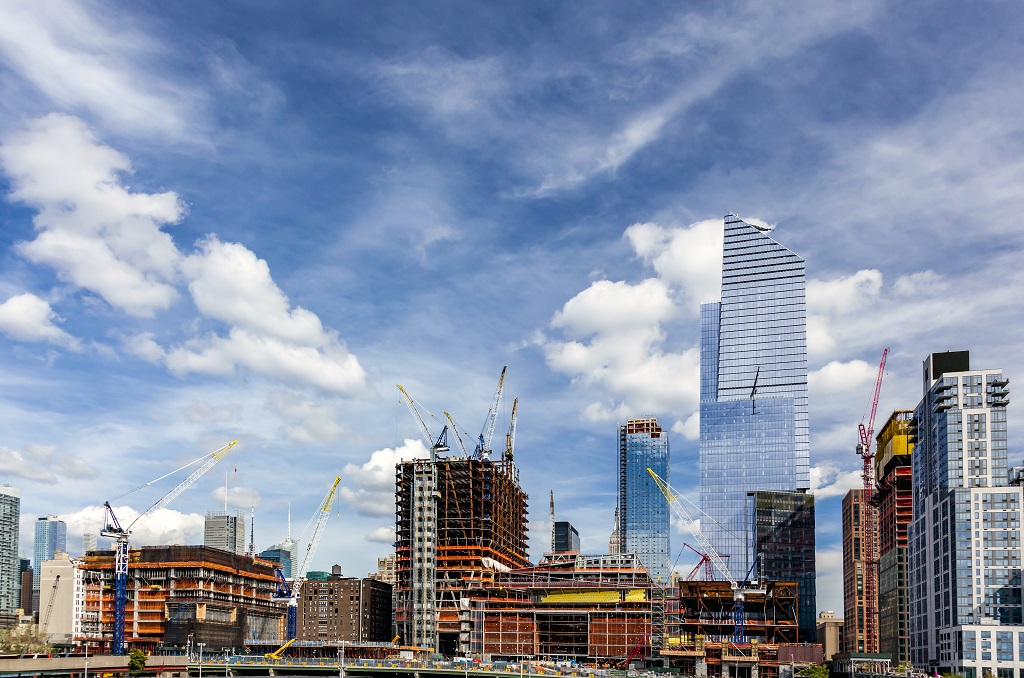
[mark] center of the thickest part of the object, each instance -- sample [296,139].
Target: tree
[24,640]
[814,671]
[136,662]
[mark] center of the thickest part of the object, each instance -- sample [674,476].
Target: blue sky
[251,221]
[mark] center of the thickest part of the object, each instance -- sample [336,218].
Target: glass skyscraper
[643,512]
[753,387]
[51,536]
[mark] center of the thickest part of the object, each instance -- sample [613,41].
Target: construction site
[593,609]
[221,599]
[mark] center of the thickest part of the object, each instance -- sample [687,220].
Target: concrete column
[702,668]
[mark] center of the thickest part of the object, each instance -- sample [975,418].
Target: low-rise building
[348,609]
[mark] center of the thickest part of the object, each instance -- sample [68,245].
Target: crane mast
[868,523]
[483,448]
[112,528]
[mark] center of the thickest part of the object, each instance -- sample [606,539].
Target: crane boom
[483,448]
[865,433]
[672,497]
[49,606]
[214,457]
[112,528]
[411,404]
[322,513]
[455,430]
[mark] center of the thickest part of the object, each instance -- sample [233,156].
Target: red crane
[869,528]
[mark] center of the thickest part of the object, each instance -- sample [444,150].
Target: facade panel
[643,511]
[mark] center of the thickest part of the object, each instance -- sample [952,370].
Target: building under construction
[583,608]
[458,522]
[182,593]
[700,639]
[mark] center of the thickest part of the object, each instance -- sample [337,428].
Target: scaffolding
[458,522]
[706,609]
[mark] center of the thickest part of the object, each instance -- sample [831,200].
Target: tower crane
[435,446]
[552,513]
[112,528]
[458,438]
[739,591]
[867,454]
[291,592]
[483,447]
[510,437]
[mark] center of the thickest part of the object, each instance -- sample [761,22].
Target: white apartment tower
[966,612]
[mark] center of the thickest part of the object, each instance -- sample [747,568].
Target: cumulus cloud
[839,377]
[830,300]
[93,231]
[370,487]
[101,236]
[26,317]
[829,480]
[163,526]
[237,497]
[690,257]
[42,463]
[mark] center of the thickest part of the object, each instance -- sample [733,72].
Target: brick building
[345,609]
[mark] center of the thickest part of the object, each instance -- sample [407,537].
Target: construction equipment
[868,527]
[394,641]
[279,652]
[49,606]
[291,592]
[458,438]
[552,515]
[411,404]
[483,447]
[739,591]
[112,529]
[705,562]
[510,437]
[633,654]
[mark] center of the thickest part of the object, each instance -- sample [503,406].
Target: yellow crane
[279,652]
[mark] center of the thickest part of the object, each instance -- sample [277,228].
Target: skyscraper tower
[10,563]
[753,387]
[643,513]
[51,536]
[224,531]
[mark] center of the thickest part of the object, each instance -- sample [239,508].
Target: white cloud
[82,60]
[828,301]
[238,497]
[164,526]
[839,377]
[93,231]
[41,463]
[309,421]
[26,317]
[205,413]
[382,535]
[829,480]
[689,429]
[370,487]
[689,257]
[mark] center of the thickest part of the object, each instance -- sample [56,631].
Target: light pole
[86,673]
[200,646]
[225,662]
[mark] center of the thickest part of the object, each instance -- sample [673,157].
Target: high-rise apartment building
[964,541]
[51,537]
[10,563]
[753,387]
[224,531]
[643,511]
[894,501]
[567,538]
[856,555]
[345,609]
[88,542]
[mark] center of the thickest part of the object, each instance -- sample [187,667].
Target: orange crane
[870,529]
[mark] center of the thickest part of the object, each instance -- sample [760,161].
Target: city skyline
[222,222]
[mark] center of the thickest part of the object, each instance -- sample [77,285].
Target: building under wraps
[585,608]
[182,593]
[458,522]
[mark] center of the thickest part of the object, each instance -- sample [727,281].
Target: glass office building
[10,563]
[51,536]
[753,386]
[643,512]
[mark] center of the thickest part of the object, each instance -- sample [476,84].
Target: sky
[251,221]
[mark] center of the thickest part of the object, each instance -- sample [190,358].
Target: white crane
[483,448]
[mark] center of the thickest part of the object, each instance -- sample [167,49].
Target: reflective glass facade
[643,511]
[753,386]
[10,563]
[51,536]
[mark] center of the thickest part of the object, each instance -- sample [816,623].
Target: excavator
[279,652]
